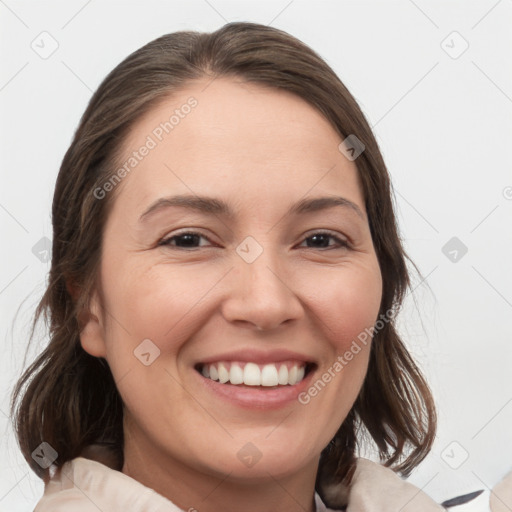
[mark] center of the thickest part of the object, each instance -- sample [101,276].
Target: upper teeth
[252,374]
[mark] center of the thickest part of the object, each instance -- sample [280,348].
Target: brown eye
[321,240]
[187,240]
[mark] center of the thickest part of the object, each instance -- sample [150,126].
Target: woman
[225,275]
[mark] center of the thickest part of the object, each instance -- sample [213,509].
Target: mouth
[250,374]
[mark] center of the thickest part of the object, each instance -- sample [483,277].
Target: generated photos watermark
[341,361]
[157,135]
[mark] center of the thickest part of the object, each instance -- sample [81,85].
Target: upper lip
[258,356]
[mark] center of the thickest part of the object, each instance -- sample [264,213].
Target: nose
[261,295]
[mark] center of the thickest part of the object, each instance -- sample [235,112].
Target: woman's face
[278,277]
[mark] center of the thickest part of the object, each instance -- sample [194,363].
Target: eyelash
[341,243]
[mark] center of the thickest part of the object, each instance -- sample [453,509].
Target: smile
[283,373]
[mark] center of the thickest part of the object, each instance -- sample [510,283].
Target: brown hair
[67,397]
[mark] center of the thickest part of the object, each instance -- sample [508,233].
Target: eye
[185,240]
[192,240]
[320,240]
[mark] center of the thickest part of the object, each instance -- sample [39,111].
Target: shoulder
[84,485]
[376,487]
[375,483]
[501,495]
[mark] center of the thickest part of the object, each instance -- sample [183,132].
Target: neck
[196,490]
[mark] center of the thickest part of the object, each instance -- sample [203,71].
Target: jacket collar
[93,486]
[377,488]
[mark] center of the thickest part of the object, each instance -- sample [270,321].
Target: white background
[444,126]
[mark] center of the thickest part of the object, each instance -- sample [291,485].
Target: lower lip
[257,397]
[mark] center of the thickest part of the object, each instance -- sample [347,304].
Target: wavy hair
[67,397]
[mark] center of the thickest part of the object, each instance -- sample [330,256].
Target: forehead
[227,137]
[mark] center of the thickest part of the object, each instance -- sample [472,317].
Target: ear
[92,333]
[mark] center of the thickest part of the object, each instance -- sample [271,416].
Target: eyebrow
[211,205]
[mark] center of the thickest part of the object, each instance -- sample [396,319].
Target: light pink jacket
[85,485]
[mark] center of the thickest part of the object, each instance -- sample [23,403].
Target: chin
[260,459]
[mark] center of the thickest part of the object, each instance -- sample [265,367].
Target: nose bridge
[260,293]
[262,278]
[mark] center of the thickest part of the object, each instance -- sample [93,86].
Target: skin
[261,150]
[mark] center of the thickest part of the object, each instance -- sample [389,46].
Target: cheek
[152,312]
[162,303]
[167,305]
[345,307]
[347,302]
